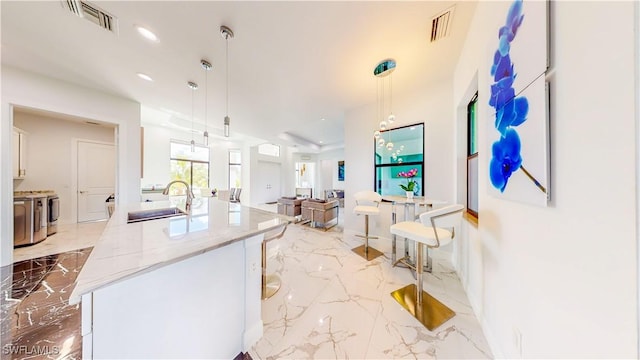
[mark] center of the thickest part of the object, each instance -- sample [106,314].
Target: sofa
[320,213]
[290,206]
[335,194]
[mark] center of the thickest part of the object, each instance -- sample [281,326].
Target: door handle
[82,192]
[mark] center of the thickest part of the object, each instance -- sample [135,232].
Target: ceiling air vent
[92,13]
[441,24]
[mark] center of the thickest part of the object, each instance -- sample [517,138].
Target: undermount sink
[153,214]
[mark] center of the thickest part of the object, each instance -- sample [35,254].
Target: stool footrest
[368,254]
[366,237]
[433,312]
[271,286]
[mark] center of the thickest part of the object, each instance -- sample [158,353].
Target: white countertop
[126,250]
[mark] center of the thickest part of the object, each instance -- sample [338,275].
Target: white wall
[257,193]
[327,176]
[36,91]
[431,105]
[49,148]
[564,276]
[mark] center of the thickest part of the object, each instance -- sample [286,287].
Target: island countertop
[125,250]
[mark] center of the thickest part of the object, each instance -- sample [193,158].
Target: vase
[409,195]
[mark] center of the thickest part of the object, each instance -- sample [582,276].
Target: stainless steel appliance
[53,209]
[29,219]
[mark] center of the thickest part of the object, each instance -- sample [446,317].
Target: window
[191,167]
[407,154]
[472,156]
[235,169]
[269,149]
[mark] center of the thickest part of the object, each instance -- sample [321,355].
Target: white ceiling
[291,64]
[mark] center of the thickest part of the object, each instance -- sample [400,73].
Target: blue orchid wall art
[510,110]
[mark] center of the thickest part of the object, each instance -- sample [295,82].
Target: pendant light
[206,66]
[226,34]
[382,70]
[193,86]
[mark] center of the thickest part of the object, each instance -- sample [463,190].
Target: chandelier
[384,116]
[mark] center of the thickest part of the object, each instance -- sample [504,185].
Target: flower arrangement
[411,184]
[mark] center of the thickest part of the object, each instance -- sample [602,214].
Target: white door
[96,179]
[269,182]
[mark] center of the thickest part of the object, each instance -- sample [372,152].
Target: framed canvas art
[518,104]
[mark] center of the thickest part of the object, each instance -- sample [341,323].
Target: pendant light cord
[391,93]
[192,107]
[206,91]
[227,80]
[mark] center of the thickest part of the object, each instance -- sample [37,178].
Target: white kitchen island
[180,287]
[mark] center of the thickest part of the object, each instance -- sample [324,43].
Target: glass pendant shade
[389,146]
[226,126]
[383,125]
[381,142]
[206,138]
[193,146]
[391,118]
[376,134]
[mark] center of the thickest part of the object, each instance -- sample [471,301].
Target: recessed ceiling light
[147,34]
[322,119]
[144,76]
[321,142]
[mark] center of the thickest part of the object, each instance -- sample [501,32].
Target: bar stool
[436,228]
[367,204]
[270,283]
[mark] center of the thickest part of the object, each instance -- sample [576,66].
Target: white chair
[436,228]
[270,283]
[236,195]
[367,203]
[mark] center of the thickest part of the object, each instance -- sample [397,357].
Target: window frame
[234,164]
[191,161]
[377,167]
[472,139]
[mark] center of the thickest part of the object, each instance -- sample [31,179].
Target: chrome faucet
[189,192]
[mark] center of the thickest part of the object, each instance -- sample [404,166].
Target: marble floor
[69,237]
[37,320]
[334,304]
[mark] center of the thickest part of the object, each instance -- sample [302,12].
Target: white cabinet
[19,156]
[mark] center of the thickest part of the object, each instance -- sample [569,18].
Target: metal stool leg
[365,251]
[270,283]
[424,307]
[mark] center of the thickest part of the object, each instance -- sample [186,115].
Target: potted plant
[411,184]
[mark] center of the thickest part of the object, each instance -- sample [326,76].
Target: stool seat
[366,210]
[418,232]
[367,203]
